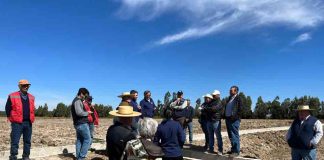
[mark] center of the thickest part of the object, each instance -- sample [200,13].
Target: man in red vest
[20,109]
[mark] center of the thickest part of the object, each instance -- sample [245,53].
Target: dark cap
[180,93]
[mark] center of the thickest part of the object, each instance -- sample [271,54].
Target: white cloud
[301,38]
[206,17]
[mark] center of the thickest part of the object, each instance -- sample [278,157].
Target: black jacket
[116,139]
[214,110]
[237,109]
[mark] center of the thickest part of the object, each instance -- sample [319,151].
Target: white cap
[216,92]
[208,96]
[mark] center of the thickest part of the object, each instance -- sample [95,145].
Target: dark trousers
[204,127]
[17,129]
[173,158]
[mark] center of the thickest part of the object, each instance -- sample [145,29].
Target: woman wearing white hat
[304,134]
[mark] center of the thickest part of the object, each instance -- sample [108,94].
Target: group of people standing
[136,134]
[210,114]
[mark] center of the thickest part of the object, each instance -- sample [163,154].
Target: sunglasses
[25,85]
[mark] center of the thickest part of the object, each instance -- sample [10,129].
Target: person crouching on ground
[304,134]
[80,122]
[170,137]
[120,132]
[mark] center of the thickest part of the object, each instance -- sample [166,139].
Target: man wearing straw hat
[121,132]
[304,134]
[20,109]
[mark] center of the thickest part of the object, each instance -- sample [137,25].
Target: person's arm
[8,106]
[78,106]
[288,135]
[318,128]
[157,137]
[181,135]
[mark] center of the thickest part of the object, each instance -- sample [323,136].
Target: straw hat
[23,82]
[208,96]
[303,108]
[124,94]
[125,111]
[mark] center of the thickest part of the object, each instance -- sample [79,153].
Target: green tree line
[63,110]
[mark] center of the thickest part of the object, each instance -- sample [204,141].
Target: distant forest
[263,110]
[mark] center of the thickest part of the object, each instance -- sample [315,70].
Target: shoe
[229,152]
[234,155]
[219,153]
[212,152]
[25,158]
[12,157]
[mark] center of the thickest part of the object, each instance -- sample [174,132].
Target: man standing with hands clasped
[304,134]
[20,110]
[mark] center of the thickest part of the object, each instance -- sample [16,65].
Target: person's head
[89,99]
[83,93]
[188,102]
[147,127]
[167,113]
[127,121]
[208,98]
[126,97]
[234,90]
[147,94]
[216,94]
[134,94]
[303,111]
[179,94]
[23,86]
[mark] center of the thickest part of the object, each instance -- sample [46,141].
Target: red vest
[87,108]
[16,113]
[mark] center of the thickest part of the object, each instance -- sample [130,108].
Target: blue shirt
[135,108]
[147,108]
[170,137]
[229,108]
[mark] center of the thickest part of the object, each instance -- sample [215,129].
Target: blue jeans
[17,129]
[91,128]
[215,128]
[190,131]
[83,141]
[233,134]
[300,154]
[203,125]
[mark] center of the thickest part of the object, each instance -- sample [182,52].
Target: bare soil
[59,132]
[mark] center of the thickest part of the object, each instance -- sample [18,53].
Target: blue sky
[267,48]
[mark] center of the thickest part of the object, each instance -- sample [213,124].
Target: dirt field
[58,132]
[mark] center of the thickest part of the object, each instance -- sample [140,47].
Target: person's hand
[96,126]
[139,107]
[90,112]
